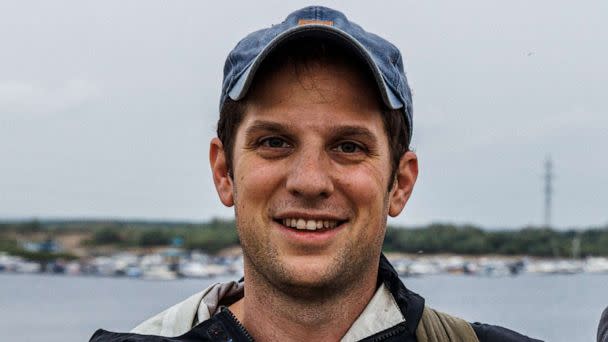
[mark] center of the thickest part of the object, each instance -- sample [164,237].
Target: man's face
[311,167]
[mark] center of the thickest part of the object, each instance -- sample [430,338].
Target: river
[62,308]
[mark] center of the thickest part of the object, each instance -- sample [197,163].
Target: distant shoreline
[72,239]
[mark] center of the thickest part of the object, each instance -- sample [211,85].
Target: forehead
[318,94]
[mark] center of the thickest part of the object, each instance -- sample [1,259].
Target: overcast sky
[107,107]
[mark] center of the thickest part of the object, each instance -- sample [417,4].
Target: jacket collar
[410,303]
[181,317]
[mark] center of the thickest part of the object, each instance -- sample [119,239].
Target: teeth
[311,225]
[303,224]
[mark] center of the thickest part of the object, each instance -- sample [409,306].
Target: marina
[173,263]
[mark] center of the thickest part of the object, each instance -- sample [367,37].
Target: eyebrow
[355,131]
[338,131]
[266,126]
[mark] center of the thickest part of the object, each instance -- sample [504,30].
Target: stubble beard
[345,271]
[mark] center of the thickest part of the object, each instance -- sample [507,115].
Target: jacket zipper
[388,333]
[239,325]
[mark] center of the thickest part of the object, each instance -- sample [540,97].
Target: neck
[271,314]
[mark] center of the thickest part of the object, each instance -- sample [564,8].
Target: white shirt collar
[381,313]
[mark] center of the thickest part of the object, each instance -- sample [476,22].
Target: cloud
[19,99]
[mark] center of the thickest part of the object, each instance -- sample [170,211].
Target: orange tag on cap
[315,22]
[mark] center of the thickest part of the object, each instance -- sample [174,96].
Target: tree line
[471,240]
[216,235]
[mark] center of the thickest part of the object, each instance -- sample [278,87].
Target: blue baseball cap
[382,57]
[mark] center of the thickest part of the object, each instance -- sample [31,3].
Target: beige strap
[437,326]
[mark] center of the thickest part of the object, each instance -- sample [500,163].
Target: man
[602,328]
[313,153]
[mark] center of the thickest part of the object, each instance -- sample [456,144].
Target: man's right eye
[274,142]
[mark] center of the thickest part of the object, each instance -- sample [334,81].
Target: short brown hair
[301,53]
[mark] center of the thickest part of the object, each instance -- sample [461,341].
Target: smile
[303,224]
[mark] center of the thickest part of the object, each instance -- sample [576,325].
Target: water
[59,308]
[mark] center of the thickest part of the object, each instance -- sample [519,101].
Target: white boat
[423,267]
[200,270]
[28,267]
[562,266]
[596,265]
[158,272]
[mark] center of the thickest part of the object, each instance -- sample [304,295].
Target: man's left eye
[349,147]
[274,142]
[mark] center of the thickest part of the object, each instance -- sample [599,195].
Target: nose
[309,176]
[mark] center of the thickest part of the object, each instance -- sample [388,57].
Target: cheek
[254,182]
[366,187]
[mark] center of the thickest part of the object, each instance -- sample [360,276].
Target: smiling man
[313,153]
[310,180]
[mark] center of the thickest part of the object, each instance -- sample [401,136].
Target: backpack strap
[437,326]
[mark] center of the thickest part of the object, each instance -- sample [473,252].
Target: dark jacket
[225,327]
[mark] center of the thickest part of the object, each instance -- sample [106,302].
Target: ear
[403,185]
[219,169]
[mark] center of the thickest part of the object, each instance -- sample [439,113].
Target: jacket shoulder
[437,326]
[494,333]
[181,317]
[173,321]
[219,328]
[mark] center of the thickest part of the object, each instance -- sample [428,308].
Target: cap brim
[243,82]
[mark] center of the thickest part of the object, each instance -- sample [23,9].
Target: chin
[309,289]
[308,276]
[314,274]
[311,276]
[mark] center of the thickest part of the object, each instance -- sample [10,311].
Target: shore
[175,263]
